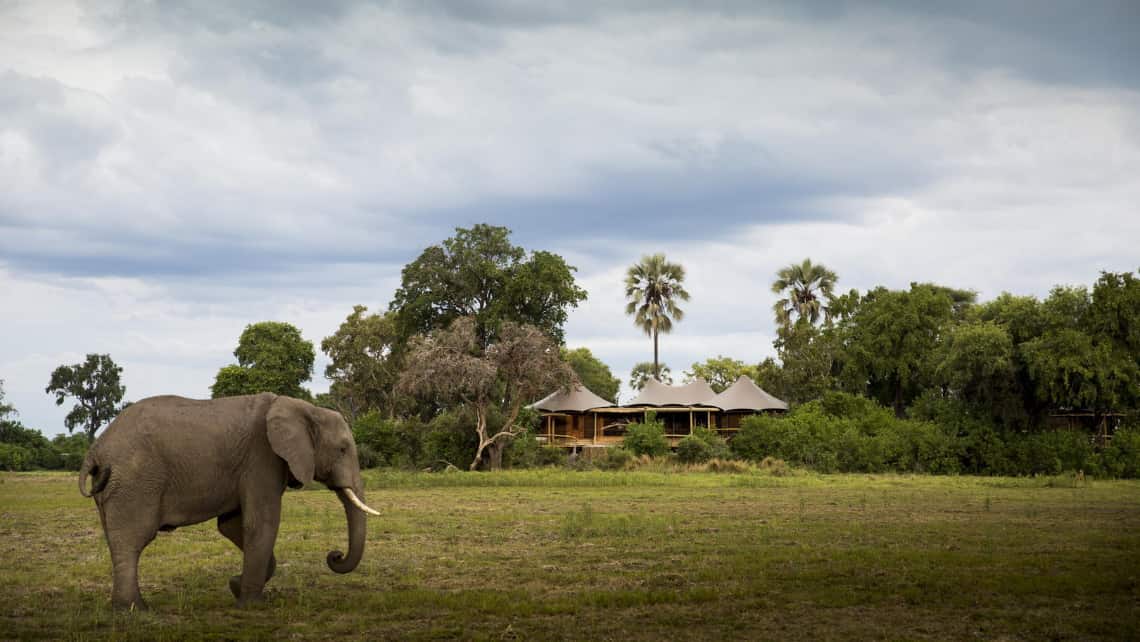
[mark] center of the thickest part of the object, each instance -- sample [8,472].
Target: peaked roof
[746,395]
[577,399]
[655,393]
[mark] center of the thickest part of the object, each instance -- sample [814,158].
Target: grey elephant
[168,461]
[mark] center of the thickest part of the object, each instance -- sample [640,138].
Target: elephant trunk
[337,561]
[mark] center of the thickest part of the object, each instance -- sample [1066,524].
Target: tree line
[475,332]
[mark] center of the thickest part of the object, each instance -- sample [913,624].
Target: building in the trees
[579,418]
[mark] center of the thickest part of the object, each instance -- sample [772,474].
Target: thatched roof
[655,393]
[746,395]
[577,399]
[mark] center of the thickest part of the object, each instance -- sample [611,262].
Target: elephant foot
[129,606]
[248,601]
[235,586]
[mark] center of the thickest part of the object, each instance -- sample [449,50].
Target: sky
[171,172]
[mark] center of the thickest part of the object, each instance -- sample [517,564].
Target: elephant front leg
[259,533]
[231,527]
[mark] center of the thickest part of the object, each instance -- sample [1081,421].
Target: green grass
[612,555]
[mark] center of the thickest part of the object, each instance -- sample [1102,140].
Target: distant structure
[578,418]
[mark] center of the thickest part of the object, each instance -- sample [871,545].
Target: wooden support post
[595,428]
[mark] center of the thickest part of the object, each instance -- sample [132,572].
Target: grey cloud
[69,126]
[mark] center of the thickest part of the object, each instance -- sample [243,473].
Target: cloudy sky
[170,172]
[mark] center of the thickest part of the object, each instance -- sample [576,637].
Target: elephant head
[317,445]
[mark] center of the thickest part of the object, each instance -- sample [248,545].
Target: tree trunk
[495,454]
[481,429]
[656,366]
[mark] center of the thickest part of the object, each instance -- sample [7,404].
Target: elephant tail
[99,475]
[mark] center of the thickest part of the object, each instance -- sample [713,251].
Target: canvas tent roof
[655,393]
[577,399]
[746,395]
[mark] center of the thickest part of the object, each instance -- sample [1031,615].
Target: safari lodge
[578,418]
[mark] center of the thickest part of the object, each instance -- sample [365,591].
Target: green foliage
[975,362]
[364,363]
[272,357]
[848,433]
[1121,458]
[808,355]
[95,386]
[616,458]
[643,372]
[71,449]
[701,446]
[646,438]
[393,443]
[27,449]
[889,338]
[653,288]
[807,285]
[721,372]
[593,374]
[479,273]
[16,458]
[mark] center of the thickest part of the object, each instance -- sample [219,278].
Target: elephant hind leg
[126,546]
[230,526]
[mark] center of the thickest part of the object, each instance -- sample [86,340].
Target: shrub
[701,446]
[617,458]
[1121,458]
[367,456]
[646,438]
[15,458]
[524,451]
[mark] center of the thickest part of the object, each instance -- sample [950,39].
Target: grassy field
[620,555]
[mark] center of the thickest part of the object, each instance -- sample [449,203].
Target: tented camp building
[577,417]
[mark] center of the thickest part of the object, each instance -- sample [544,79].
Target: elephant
[169,461]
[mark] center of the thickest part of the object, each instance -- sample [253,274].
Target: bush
[845,433]
[1121,458]
[16,458]
[701,446]
[616,458]
[367,456]
[646,438]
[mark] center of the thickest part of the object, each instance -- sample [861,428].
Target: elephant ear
[287,424]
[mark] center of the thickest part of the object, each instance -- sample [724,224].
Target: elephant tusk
[357,503]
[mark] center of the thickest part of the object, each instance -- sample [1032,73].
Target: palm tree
[653,287]
[804,283]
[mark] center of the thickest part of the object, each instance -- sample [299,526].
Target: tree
[643,372]
[479,273]
[592,373]
[1082,358]
[808,355]
[452,365]
[721,372]
[770,377]
[974,362]
[653,286]
[95,386]
[889,337]
[272,357]
[364,363]
[5,407]
[807,286]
